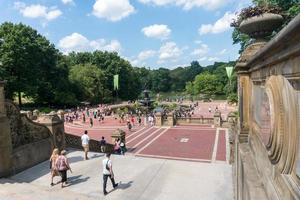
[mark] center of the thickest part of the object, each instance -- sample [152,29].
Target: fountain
[146,102]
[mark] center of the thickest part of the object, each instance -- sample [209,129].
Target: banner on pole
[229,71]
[116,82]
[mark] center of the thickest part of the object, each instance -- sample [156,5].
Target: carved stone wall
[268,160]
[23,143]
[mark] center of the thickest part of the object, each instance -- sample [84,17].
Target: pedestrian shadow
[73,180]
[75,159]
[97,155]
[124,186]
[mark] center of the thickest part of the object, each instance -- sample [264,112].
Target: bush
[232,98]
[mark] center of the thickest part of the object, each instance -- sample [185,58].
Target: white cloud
[71,2]
[112,10]
[213,59]
[202,59]
[201,51]
[159,31]
[77,42]
[221,25]
[37,11]
[224,51]
[188,4]
[169,51]
[143,55]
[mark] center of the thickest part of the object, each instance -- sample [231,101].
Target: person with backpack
[62,165]
[108,173]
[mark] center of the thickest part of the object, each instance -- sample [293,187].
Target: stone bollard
[217,119]
[56,127]
[231,118]
[159,120]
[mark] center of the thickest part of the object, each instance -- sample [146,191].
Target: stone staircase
[12,190]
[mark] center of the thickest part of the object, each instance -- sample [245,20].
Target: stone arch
[284,140]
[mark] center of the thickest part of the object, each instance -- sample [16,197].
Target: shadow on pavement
[124,186]
[73,180]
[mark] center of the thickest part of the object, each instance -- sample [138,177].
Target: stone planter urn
[258,28]
[261,26]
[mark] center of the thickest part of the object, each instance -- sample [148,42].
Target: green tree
[206,83]
[189,88]
[27,61]
[160,80]
[90,80]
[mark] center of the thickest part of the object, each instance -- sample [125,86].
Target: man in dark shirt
[102,144]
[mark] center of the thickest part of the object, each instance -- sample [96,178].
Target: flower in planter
[255,11]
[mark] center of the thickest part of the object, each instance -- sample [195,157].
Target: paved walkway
[140,179]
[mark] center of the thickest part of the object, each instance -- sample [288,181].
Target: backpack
[106,166]
[61,164]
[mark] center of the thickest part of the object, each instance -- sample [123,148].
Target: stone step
[12,190]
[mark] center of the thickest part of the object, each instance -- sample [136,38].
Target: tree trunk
[20,99]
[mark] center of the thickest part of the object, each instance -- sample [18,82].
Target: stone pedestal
[217,119]
[56,127]
[118,134]
[171,119]
[158,117]
[5,138]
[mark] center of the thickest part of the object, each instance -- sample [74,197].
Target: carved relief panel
[261,110]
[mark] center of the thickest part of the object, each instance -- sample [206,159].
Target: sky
[150,33]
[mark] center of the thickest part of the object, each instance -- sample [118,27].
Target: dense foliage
[35,69]
[213,81]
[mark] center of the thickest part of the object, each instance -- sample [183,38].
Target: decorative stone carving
[56,126]
[282,146]
[23,130]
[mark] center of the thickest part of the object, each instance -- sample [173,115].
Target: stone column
[171,119]
[5,137]
[217,119]
[56,127]
[244,88]
[158,117]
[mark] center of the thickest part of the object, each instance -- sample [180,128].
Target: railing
[194,120]
[94,145]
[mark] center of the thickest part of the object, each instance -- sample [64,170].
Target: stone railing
[74,141]
[194,120]
[267,161]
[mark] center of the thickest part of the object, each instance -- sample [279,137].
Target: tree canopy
[34,68]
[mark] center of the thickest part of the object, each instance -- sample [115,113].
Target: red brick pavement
[198,146]
[163,142]
[221,151]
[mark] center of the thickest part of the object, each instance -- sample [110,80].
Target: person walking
[62,165]
[102,144]
[85,139]
[91,122]
[108,173]
[53,169]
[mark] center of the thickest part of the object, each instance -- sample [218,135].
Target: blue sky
[151,33]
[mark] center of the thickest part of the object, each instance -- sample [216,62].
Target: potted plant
[259,21]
